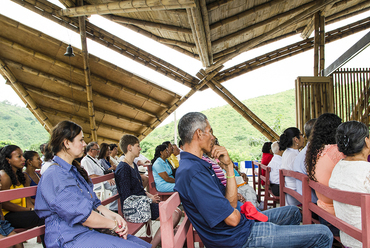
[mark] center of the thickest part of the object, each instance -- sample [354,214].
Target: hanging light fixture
[69,51]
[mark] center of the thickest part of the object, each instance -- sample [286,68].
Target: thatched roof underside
[55,84]
[212,31]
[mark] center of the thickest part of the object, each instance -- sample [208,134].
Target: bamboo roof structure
[211,31]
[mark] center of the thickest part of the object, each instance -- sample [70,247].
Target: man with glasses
[95,169]
[211,207]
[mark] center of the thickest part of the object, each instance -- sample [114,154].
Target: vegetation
[234,132]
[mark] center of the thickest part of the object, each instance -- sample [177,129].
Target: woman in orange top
[322,155]
[12,177]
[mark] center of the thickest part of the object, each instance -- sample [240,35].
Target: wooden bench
[267,192]
[152,189]
[185,231]
[7,195]
[308,207]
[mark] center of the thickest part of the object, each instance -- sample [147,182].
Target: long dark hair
[62,131]
[103,150]
[323,133]
[158,151]
[6,152]
[286,138]
[350,137]
[28,155]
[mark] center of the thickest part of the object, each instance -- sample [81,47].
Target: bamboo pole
[267,35]
[81,119]
[200,32]
[195,36]
[115,43]
[316,45]
[216,4]
[72,103]
[322,44]
[161,26]
[178,103]
[240,15]
[126,7]
[86,64]
[205,14]
[69,84]
[271,20]
[243,110]
[22,91]
[67,67]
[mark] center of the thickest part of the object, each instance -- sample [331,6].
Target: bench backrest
[185,230]
[152,189]
[7,195]
[357,199]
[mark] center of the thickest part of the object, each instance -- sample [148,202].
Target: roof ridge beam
[126,7]
[247,46]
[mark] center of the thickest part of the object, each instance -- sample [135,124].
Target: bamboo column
[23,92]
[85,56]
[322,43]
[316,45]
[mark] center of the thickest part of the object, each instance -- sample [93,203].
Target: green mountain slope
[233,131]
[19,126]
[244,142]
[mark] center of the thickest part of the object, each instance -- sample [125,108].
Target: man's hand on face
[220,153]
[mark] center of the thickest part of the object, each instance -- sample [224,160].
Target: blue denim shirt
[65,200]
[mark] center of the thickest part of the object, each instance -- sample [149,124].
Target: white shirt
[115,160]
[275,165]
[288,158]
[92,167]
[350,176]
[45,165]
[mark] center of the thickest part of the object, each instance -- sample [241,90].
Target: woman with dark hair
[12,177]
[33,162]
[104,157]
[162,170]
[351,173]
[65,198]
[113,155]
[322,155]
[290,142]
[48,156]
[266,156]
[129,180]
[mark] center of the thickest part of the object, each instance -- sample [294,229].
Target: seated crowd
[216,197]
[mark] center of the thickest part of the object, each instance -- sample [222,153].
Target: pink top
[329,157]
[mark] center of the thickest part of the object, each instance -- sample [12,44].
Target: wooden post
[322,44]
[85,56]
[316,45]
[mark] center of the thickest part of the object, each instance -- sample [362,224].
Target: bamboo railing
[351,94]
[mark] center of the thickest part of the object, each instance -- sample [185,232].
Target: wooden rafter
[113,42]
[250,44]
[126,7]
[136,22]
[307,31]
[78,87]
[178,103]
[217,3]
[86,64]
[290,50]
[248,29]
[240,15]
[25,95]
[203,8]
[81,119]
[197,25]
[240,108]
[73,102]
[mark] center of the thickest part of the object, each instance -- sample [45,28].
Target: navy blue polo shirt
[202,196]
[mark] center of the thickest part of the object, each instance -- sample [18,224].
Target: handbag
[136,208]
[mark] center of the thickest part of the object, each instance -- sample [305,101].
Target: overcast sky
[271,79]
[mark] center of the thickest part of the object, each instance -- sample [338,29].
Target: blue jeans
[283,230]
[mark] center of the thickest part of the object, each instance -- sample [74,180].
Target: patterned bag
[136,208]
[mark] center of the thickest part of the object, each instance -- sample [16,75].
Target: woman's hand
[122,229]
[155,198]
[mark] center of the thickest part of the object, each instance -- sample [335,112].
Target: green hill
[20,127]
[243,141]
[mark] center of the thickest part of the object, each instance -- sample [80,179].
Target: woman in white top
[291,141]
[351,173]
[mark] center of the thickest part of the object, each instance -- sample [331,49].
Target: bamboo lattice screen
[351,94]
[314,96]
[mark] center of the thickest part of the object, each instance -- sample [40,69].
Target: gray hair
[189,123]
[91,145]
[275,147]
